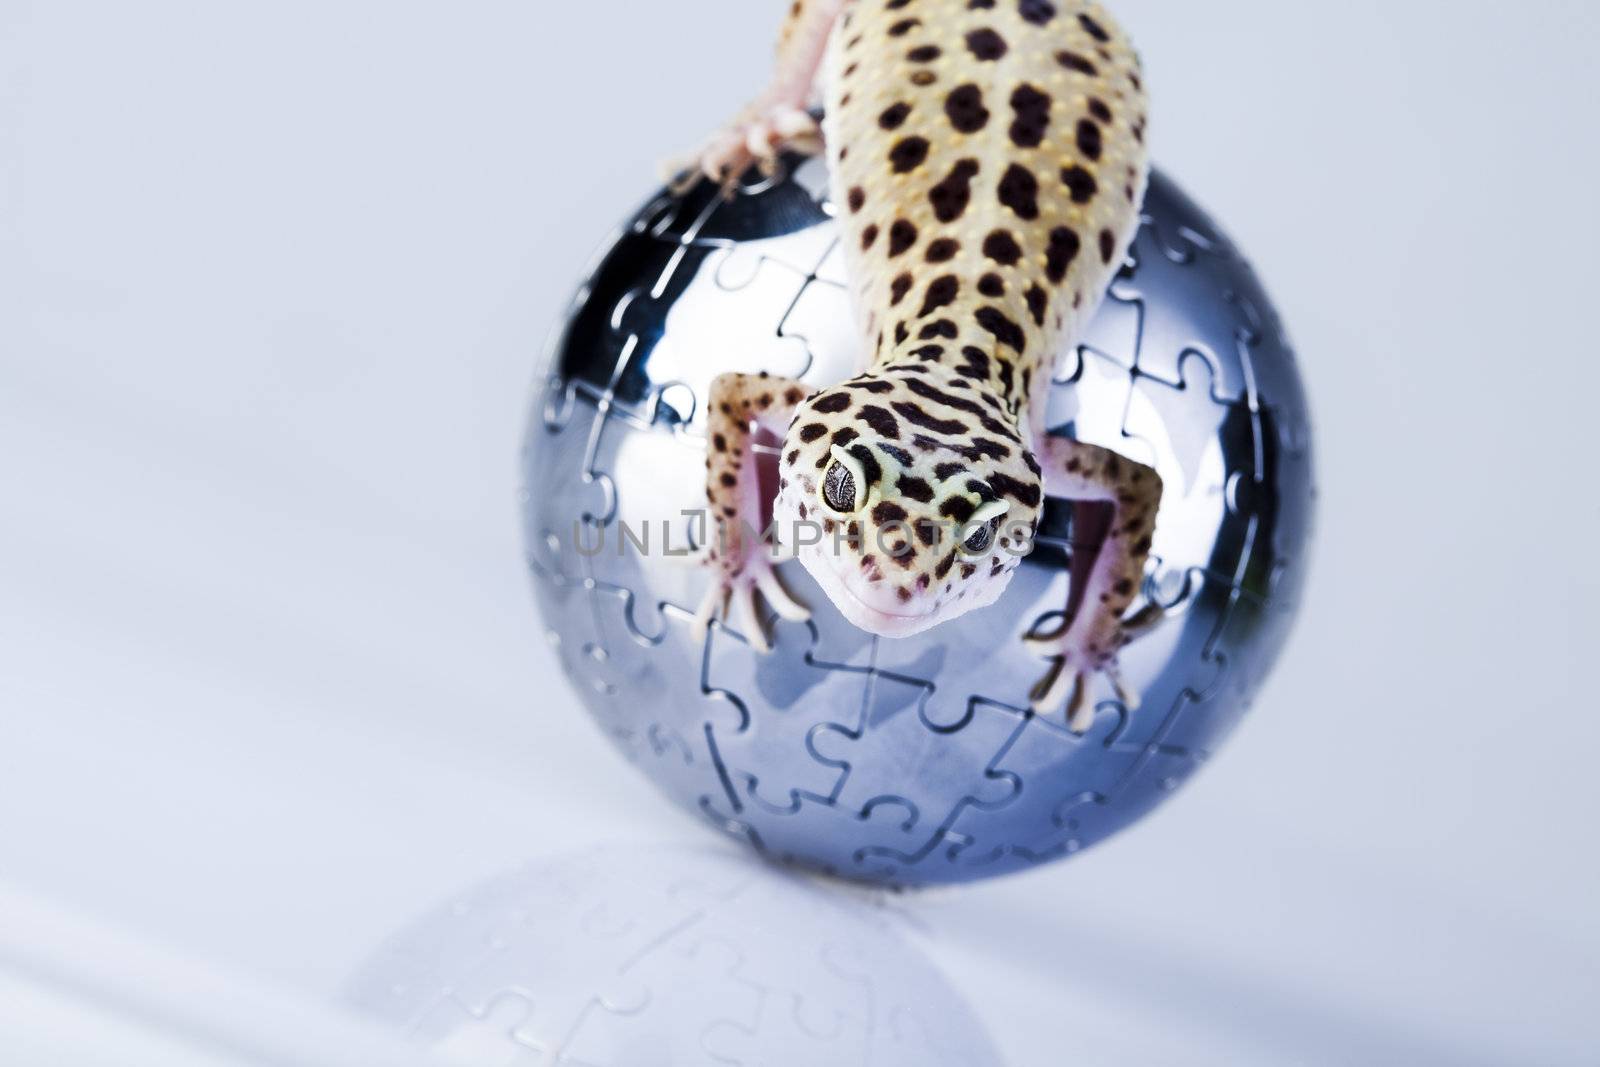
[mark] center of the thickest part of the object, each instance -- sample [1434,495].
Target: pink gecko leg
[742,563]
[778,120]
[1116,501]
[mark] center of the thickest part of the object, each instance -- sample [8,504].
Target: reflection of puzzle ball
[915,760]
[625,958]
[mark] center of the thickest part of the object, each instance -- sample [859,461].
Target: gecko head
[910,500]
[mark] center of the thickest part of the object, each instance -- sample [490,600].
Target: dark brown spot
[943,250]
[869,463]
[914,488]
[938,328]
[942,291]
[1094,29]
[1073,61]
[952,195]
[868,236]
[1019,191]
[914,414]
[831,403]
[976,365]
[811,431]
[1038,12]
[923,77]
[1088,138]
[1108,245]
[894,116]
[1038,301]
[909,153]
[986,44]
[992,285]
[1080,184]
[899,455]
[1098,108]
[1032,116]
[1023,492]
[1005,331]
[902,235]
[899,288]
[880,421]
[858,198]
[887,511]
[958,508]
[925,54]
[903,27]
[1060,252]
[1001,247]
[965,110]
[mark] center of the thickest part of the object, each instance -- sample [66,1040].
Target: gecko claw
[1061,686]
[736,599]
[755,139]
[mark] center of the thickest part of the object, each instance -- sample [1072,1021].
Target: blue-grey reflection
[624,957]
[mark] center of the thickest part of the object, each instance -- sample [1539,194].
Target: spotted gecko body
[988,161]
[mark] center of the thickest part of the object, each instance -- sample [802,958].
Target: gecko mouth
[862,612]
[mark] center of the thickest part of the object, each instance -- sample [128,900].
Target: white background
[274,278]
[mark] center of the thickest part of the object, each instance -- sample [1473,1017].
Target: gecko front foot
[756,137]
[1075,658]
[734,593]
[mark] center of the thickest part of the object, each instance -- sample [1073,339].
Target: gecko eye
[981,528]
[839,489]
[844,486]
[978,542]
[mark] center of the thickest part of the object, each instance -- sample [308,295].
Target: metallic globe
[625,957]
[907,761]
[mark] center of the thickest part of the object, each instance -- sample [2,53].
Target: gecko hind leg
[778,120]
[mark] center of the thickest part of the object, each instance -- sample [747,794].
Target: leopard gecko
[988,160]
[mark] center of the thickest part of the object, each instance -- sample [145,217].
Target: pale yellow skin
[988,161]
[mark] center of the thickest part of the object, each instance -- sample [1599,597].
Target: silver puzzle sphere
[630,957]
[909,761]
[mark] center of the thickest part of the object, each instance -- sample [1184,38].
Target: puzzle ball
[622,957]
[910,761]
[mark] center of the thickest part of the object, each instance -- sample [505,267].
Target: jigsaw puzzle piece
[895,742]
[788,1033]
[804,696]
[629,682]
[1177,299]
[711,329]
[823,320]
[701,976]
[1094,403]
[495,1034]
